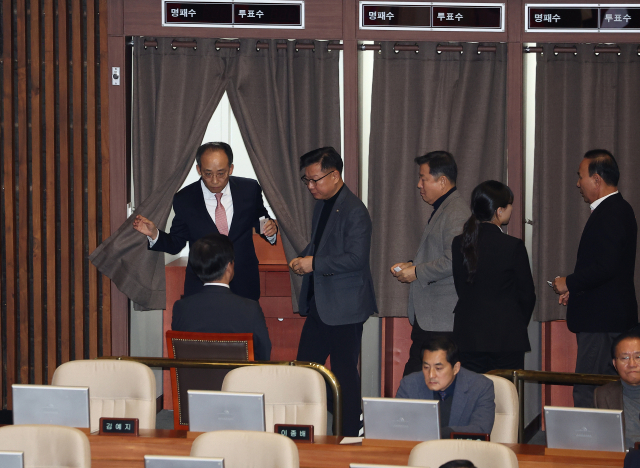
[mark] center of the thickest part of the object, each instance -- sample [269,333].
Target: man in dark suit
[467,399]
[216,309]
[218,203]
[337,289]
[600,294]
[624,394]
[432,294]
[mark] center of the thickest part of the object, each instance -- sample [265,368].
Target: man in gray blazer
[467,399]
[337,289]
[432,293]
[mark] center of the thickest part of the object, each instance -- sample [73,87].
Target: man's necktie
[443,395]
[221,217]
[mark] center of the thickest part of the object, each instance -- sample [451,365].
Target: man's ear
[230,270]
[614,365]
[231,169]
[456,368]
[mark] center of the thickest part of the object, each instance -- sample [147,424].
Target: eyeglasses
[627,359]
[307,181]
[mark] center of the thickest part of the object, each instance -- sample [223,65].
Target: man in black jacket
[216,309]
[600,293]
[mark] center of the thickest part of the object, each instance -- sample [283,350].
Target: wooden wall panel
[55,187]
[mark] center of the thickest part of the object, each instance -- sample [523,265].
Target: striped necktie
[221,217]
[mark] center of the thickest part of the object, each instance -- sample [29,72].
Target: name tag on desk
[470,436]
[119,426]
[296,432]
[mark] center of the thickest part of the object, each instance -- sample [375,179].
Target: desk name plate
[119,426]
[262,14]
[588,18]
[296,432]
[431,16]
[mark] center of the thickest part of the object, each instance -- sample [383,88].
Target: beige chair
[247,449]
[482,454]
[47,446]
[117,389]
[292,395]
[505,427]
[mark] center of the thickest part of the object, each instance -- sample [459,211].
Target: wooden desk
[121,452]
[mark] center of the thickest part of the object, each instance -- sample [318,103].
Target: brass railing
[519,377]
[167,363]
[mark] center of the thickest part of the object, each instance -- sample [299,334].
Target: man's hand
[301,265]
[408,275]
[146,227]
[270,228]
[564,299]
[560,285]
[402,266]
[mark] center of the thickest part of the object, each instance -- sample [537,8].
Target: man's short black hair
[443,343]
[633,333]
[458,464]
[440,163]
[212,146]
[209,257]
[328,158]
[604,164]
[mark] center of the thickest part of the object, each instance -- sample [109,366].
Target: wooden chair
[214,346]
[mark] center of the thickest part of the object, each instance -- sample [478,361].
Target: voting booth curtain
[583,102]
[286,102]
[423,102]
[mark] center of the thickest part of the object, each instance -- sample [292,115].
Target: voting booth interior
[137,82]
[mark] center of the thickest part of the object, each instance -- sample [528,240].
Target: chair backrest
[292,395]
[215,346]
[505,427]
[482,454]
[47,446]
[247,449]
[117,389]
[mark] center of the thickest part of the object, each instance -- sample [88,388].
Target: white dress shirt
[211,202]
[217,284]
[595,204]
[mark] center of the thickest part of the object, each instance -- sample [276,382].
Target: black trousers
[342,342]
[418,338]
[594,357]
[482,363]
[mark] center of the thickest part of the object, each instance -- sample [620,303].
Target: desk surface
[121,452]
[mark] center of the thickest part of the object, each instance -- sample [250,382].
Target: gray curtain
[286,103]
[583,102]
[424,102]
[293,108]
[175,95]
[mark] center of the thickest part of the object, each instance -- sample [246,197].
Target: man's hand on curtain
[301,265]
[145,226]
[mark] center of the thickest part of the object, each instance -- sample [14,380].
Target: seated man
[216,309]
[624,394]
[467,399]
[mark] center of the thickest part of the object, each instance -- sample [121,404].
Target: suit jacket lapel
[239,204]
[333,217]
[436,215]
[459,402]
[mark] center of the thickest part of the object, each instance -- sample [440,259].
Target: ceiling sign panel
[431,16]
[582,18]
[284,14]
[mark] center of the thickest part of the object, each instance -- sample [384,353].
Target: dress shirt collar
[217,284]
[595,204]
[209,195]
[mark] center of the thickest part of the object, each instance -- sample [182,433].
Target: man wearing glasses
[218,203]
[337,289]
[624,394]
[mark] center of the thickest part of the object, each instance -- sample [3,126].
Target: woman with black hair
[495,288]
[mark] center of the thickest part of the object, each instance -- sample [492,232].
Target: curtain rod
[597,50]
[330,46]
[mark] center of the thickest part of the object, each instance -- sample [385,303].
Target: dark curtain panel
[287,102]
[583,102]
[424,102]
[175,95]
